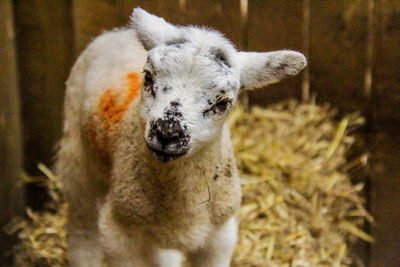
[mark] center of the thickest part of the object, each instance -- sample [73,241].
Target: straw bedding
[299,206]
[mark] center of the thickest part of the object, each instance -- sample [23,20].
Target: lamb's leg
[84,247]
[167,258]
[219,248]
[122,247]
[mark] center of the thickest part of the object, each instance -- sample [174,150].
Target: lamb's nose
[168,131]
[170,135]
[168,139]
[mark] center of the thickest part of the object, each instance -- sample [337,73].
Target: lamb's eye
[218,108]
[221,57]
[221,105]
[149,83]
[148,78]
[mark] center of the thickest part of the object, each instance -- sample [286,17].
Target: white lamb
[146,156]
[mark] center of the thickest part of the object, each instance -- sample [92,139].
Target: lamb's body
[146,159]
[175,205]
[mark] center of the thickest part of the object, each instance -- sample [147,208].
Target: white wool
[136,210]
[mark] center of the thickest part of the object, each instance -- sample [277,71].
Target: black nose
[169,138]
[168,131]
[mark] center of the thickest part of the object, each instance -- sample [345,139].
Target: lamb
[146,158]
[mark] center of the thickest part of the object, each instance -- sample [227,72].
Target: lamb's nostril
[177,129]
[161,137]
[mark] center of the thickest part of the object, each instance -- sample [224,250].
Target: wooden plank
[92,17]
[168,9]
[11,195]
[338,63]
[44,46]
[386,74]
[338,52]
[385,198]
[223,15]
[275,25]
[385,144]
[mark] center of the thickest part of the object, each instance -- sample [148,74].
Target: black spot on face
[219,107]
[223,91]
[173,114]
[216,177]
[175,104]
[153,90]
[166,89]
[177,42]
[282,66]
[228,171]
[220,57]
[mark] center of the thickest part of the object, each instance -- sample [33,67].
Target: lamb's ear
[152,30]
[260,69]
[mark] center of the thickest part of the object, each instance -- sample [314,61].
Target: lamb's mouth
[165,156]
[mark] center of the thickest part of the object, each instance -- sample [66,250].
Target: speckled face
[192,80]
[188,92]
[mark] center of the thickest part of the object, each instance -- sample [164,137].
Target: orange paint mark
[135,83]
[111,112]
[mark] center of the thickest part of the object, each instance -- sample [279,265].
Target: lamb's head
[192,80]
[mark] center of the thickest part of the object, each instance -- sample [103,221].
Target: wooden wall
[11,195]
[352,48]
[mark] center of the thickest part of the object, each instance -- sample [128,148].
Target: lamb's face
[187,94]
[192,80]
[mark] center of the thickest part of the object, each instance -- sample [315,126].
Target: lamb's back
[104,82]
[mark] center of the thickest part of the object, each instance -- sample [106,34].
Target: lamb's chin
[165,157]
